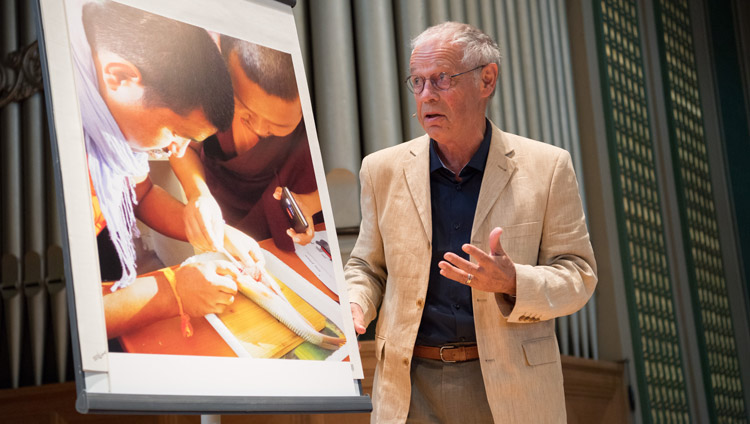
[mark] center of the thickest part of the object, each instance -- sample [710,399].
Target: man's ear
[489,78]
[118,74]
[120,80]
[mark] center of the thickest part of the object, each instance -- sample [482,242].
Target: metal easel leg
[210,419]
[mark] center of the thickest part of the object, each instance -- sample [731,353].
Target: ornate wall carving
[20,74]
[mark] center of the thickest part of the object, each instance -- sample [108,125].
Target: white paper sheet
[304,289]
[317,256]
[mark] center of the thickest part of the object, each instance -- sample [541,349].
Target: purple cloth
[112,164]
[243,185]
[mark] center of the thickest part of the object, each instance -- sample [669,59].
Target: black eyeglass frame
[410,85]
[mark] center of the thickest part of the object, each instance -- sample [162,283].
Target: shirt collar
[476,162]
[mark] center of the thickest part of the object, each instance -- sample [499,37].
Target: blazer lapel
[417,173]
[498,171]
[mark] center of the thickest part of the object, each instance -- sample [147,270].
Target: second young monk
[245,167]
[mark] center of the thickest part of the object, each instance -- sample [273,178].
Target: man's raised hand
[493,271]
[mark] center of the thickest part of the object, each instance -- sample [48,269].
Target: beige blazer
[529,188]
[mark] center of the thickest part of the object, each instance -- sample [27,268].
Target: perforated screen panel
[639,213]
[713,318]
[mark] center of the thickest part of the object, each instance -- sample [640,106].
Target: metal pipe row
[31,281]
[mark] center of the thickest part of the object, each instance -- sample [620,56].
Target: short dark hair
[271,69]
[180,65]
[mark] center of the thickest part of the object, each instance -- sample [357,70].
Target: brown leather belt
[447,353]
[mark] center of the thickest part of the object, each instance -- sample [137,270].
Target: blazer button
[405,361]
[420,302]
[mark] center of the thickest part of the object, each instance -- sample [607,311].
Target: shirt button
[458,187]
[456,226]
[457,306]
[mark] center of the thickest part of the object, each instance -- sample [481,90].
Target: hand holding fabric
[246,249]
[204,225]
[207,287]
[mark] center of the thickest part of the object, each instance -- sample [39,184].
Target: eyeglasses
[442,82]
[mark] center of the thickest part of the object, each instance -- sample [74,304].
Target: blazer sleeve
[365,271]
[565,275]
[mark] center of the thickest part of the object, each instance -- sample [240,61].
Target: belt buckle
[441,353]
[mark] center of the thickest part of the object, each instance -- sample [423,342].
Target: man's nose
[428,92]
[261,127]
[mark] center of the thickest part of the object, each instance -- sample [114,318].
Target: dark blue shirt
[448,315]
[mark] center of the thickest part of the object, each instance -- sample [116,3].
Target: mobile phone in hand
[296,219]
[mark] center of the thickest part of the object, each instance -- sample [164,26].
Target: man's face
[145,128]
[159,128]
[452,115]
[258,114]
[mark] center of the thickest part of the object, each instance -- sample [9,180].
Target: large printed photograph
[208,219]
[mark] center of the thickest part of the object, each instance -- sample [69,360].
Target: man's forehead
[194,125]
[442,55]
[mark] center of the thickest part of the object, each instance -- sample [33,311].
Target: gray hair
[478,47]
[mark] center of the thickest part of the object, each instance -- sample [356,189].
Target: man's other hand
[494,271]
[206,288]
[358,316]
[204,225]
[244,248]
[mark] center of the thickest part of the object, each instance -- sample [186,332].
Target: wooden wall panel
[594,392]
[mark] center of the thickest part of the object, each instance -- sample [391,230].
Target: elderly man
[472,242]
